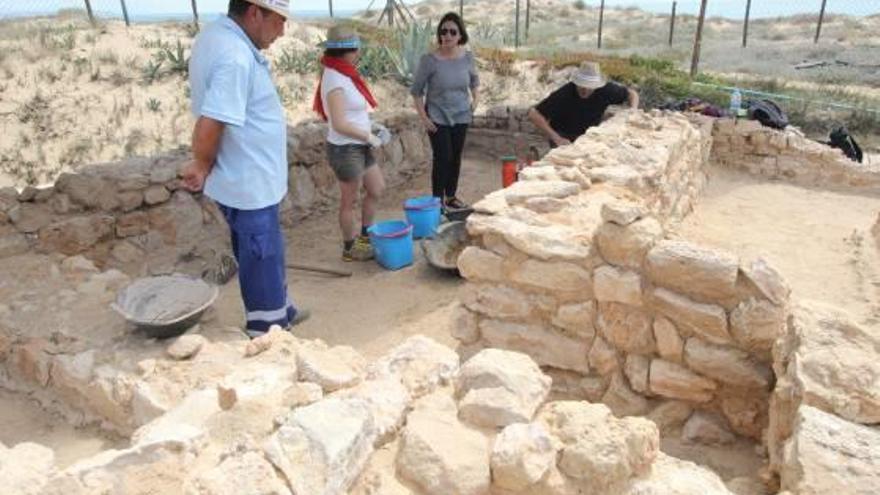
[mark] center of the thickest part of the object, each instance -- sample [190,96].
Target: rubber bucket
[423,213]
[392,242]
[508,170]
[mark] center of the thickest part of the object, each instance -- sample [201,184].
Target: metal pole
[601,20]
[125,13]
[672,23]
[516,38]
[461,8]
[821,18]
[746,23]
[528,15]
[331,8]
[195,15]
[695,61]
[89,11]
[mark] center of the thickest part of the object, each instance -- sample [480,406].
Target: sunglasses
[450,32]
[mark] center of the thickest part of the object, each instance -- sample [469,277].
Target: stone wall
[572,265]
[787,155]
[115,213]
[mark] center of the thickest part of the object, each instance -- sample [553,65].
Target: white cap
[588,76]
[280,7]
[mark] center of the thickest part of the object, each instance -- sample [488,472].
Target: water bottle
[735,102]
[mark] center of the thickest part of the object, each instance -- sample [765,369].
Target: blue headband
[349,43]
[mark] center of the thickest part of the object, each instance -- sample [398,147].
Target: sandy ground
[819,240]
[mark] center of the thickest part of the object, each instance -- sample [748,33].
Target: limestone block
[671,476]
[440,455]
[186,423]
[553,276]
[132,224]
[241,473]
[545,205]
[578,319]
[627,246]
[707,320]
[522,454]
[25,468]
[611,284]
[726,364]
[73,266]
[622,213]
[156,194]
[636,369]
[768,281]
[421,364]
[388,401]
[178,221]
[480,265]
[831,363]
[322,448]
[627,328]
[332,369]
[676,382]
[591,387]
[303,394]
[29,218]
[500,387]
[827,454]
[497,301]
[126,201]
[133,183]
[148,402]
[75,235]
[13,244]
[746,416]
[522,191]
[622,400]
[87,190]
[603,358]
[30,361]
[670,415]
[704,274]
[756,324]
[301,189]
[670,345]
[464,327]
[597,448]
[706,428]
[8,198]
[545,346]
[61,204]
[186,346]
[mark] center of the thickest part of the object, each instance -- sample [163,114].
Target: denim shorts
[349,161]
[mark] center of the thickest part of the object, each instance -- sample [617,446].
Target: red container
[509,170]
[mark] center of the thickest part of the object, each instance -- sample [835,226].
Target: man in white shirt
[240,151]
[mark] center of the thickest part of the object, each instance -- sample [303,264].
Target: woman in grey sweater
[445,95]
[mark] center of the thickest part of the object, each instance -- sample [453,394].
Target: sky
[728,8]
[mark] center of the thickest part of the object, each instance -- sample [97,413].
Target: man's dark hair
[338,52]
[452,16]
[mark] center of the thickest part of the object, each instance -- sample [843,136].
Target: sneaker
[455,204]
[362,250]
[301,316]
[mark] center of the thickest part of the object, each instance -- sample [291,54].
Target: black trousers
[447,144]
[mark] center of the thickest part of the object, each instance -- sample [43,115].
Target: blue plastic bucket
[392,242]
[423,212]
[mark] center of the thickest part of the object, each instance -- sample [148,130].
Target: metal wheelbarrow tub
[449,241]
[165,306]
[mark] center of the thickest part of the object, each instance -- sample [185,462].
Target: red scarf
[345,69]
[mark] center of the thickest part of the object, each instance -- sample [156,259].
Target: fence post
[89,11]
[195,15]
[601,20]
[516,29]
[746,23]
[672,23]
[125,13]
[528,15]
[461,8]
[819,25]
[331,7]
[698,39]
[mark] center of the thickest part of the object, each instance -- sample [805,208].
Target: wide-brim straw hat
[341,36]
[280,7]
[588,76]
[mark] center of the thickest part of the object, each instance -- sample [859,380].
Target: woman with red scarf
[344,101]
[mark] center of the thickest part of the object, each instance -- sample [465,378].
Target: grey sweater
[447,83]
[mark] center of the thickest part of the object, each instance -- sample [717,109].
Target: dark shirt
[570,115]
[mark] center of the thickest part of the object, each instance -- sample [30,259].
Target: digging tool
[319,269]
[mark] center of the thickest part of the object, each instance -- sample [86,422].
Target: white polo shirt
[230,82]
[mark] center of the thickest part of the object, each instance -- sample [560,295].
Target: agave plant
[412,42]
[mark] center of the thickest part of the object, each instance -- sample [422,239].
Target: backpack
[768,113]
[841,138]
